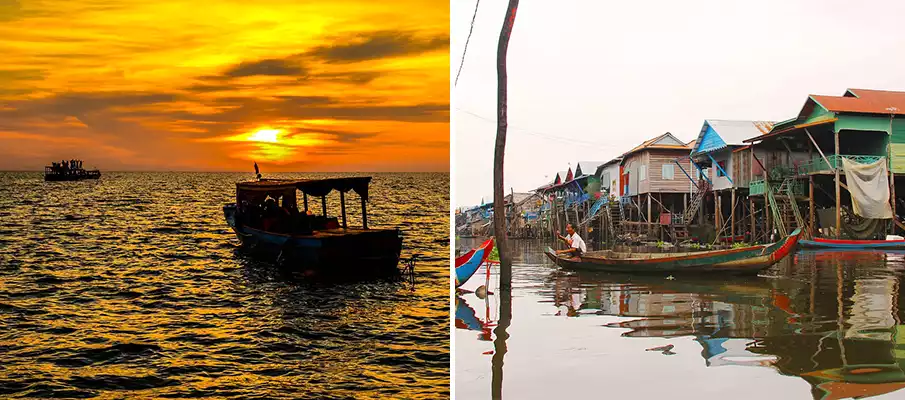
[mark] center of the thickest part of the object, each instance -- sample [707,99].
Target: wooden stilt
[324,204]
[892,175]
[649,227]
[811,210]
[751,213]
[732,215]
[811,207]
[716,211]
[838,190]
[685,205]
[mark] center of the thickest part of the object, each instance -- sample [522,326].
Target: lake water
[819,325]
[132,286]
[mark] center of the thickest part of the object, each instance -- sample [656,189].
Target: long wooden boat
[823,243]
[267,219]
[466,269]
[745,260]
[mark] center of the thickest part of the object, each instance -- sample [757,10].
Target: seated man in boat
[575,243]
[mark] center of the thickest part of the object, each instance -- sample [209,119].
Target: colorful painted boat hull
[747,260]
[465,271]
[821,243]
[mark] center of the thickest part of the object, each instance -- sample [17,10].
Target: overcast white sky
[591,79]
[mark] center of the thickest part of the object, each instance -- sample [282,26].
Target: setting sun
[265,135]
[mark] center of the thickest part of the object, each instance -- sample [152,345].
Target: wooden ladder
[786,213]
[701,191]
[615,218]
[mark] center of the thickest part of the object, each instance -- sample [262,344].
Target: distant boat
[266,218]
[731,261]
[822,243]
[468,264]
[63,172]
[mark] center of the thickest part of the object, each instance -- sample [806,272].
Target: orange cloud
[348,84]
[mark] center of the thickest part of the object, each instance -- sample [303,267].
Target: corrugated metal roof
[717,134]
[866,101]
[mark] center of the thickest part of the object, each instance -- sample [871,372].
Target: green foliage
[494,254]
[695,246]
[739,245]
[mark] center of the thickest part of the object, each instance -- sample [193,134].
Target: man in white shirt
[575,243]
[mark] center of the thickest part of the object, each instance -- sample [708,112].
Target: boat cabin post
[342,202]
[258,198]
[364,212]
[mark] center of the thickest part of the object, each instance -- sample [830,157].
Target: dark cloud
[339,135]
[11,75]
[351,77]
[203,88]
[77,104]
[10,10]
[376,45]
[271,67]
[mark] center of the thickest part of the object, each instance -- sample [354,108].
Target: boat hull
[478,256]
[351,253]
[821,243]
[748,260]
[71,177]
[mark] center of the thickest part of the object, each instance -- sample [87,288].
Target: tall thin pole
[892,175]
[838,190]
[499,209]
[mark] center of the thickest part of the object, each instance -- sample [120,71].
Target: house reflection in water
[833,319]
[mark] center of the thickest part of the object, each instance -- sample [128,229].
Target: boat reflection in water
[831,318]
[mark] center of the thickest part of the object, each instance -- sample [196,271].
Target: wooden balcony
[818,165]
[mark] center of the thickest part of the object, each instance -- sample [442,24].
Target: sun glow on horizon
[265,135]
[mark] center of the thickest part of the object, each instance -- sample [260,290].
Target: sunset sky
[340,85]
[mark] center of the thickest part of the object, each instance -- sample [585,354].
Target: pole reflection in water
[499,344]
[821,325]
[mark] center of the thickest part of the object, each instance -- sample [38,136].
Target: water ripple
[132,286]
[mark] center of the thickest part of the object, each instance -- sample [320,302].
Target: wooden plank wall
[655,182]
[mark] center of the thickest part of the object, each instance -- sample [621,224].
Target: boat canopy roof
[313,187]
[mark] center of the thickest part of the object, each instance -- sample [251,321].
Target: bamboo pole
[753,227]
[811,211]
[716,210]
[838,189]
[892,175]
[732,216]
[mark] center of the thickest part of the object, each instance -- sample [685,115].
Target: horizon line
[278,172]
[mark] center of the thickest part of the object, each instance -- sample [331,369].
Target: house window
[721,169]
[642,172]
[669,172]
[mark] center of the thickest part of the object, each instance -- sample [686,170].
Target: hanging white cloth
[869,187]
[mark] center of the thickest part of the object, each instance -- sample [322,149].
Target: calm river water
[132,287]
[819,325]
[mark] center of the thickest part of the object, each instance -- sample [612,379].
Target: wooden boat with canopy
[744,260]
[267,218]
